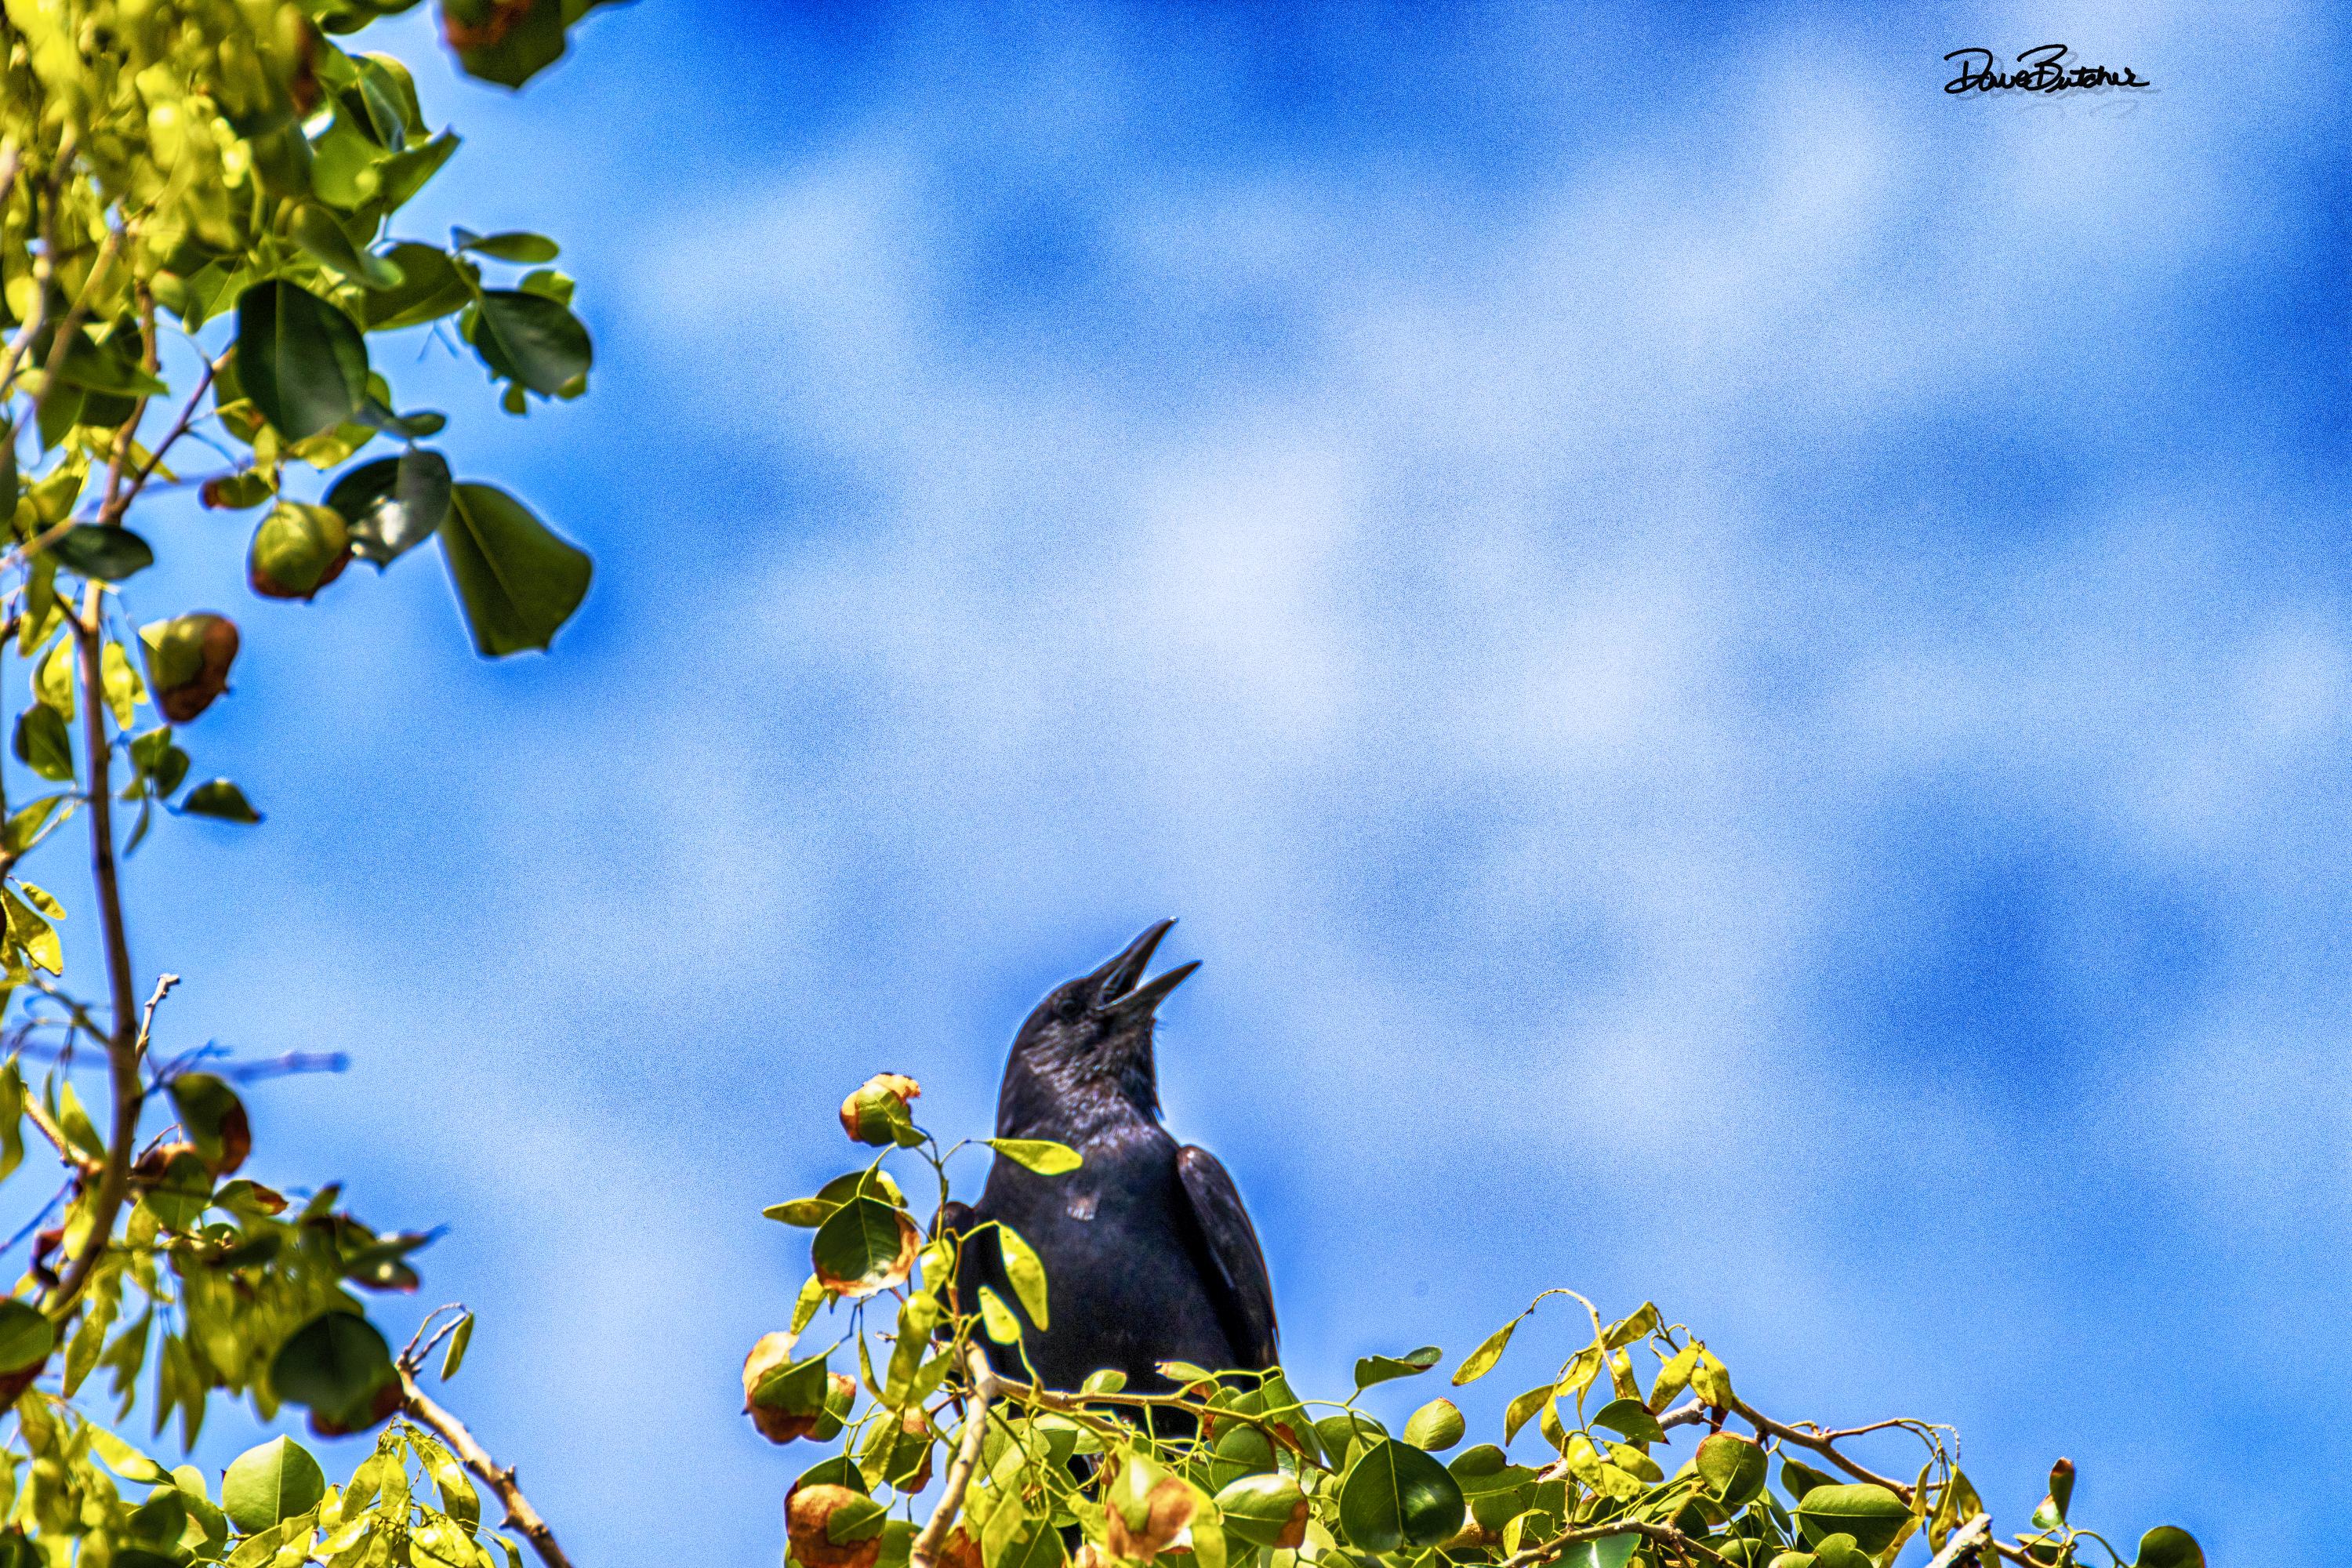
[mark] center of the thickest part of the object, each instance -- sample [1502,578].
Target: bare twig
[410,1356]
[1690,1413]
[520,1515]
[925,1553]
[1960,1539]
[163,983]
[80,1159]
[1765,1426]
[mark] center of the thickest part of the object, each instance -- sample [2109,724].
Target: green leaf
[1798,1479]
[272,1483]
[531,339]
[42,743]
[183,1194]
[24,827]
[1435,1427]
[1710,1382]
[863,1246]
[517,581]
[219,798]
[26,1336]
[796,1388]
[504,41]
[1871,1514]
[400,177]
[107,553]
[1374,1369]
[516,245]
[459,1501]
[430,288]
[1840,1551]
[1632,1419]
[1523,1409]
[805,1213]
[1263,1510]
[1609,1552]
[12,1117]
[299,358]
[1482,1361]
[39,939]
[2166,1546]
[213,1118]
[1394,1495]
[335,1365]
[454,1356]
[318,232]
[1022,1267]
[1732,1467]
[998,1319]
[1042,1155]
[394,504]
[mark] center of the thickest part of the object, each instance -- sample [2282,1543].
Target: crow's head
[1094,1033]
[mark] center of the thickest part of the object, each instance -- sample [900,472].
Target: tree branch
[1960,1539]
[123,1037]
[1665,1535]
[520,1515]
[1765,1426]
[925,1553]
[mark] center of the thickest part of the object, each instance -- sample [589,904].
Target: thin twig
[520,1515]
[925,1552]
[1691,1413]
[1960,1541]
[163,983]
[1765,1426]
[413,1358]
[1664,1534]
[81,1159]
[118,459]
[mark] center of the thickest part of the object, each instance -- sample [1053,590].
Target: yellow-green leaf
[998,1319]
[1481,1361]
[124,689]
[53,680]
[1042,1155]
[1026,1272]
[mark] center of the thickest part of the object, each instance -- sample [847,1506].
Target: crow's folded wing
[1245,1294]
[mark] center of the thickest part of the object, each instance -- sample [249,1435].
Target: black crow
[1149,1254]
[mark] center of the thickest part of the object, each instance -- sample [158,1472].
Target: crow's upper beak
[1115,982]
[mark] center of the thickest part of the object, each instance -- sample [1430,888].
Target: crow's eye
[1068,1009]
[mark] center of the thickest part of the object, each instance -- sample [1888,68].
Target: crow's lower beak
[1115,982]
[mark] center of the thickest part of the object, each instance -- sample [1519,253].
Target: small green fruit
[298,549]
[187,661]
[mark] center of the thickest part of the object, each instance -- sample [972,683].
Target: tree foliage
[1644,1454]
[200,254]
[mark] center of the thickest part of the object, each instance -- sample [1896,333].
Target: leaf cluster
[1644,1455]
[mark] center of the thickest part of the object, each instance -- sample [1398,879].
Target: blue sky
[1738,667]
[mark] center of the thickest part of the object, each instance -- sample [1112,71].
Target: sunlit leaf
[1039,1155]
[274,1482]
[1376,1369]
[1396,1496]
[1026,1272]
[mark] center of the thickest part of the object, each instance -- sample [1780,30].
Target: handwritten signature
[2042,70]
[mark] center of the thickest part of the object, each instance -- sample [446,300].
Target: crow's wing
[1245,1296]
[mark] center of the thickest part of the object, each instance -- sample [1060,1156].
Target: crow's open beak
[1115,982]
